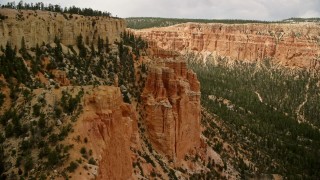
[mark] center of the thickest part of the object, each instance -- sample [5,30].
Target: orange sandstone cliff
[295,45]
[109,124]
[171,100]
[108,127]
[171,114]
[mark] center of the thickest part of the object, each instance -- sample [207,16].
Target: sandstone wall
[42,26]
[171,100]
[111,126]
[288,44]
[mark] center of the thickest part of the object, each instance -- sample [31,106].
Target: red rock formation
[171,100]
[110,124]
[61,77]
[288,44]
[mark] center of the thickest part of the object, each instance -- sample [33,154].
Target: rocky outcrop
[61,77]
[171,101]
[110,124]
[42,26]
[288,44]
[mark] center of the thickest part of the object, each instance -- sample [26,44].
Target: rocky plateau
[37,27]
[290,45]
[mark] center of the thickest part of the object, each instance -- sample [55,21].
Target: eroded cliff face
[109,123]
[288,44]
[42,26]
[102,123]
[171,100]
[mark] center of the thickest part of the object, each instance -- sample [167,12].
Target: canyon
[134,108]
[290,45]
[94,119]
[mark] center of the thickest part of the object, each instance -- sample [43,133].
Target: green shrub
[25,145]
[53,138]
[172,174]
[53,158]
[2,96]
[92,161]
[57,112]
[10,114]
[42,123]
[73,166]
[148,159]
[65,131]
[218,147]
[18,161]
[2,138]
[44,152]
[36,110]
[69,104]
[9,130]
[28,165]
[83,150]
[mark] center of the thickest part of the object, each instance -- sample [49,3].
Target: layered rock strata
[111,126]
[171,100]
[289,44]
[38,26]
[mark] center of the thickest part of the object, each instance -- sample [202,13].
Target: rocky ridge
[37,27]
[292,45]
[105,127]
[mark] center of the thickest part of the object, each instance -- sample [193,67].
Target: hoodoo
[171,100]
[108,122]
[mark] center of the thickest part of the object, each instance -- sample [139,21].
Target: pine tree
[58,49]
[107,45]
[93,52]
[23,45]
[100,45]
[9,52]
[80,44]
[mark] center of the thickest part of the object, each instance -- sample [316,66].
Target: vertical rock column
[171,100]
[110,124]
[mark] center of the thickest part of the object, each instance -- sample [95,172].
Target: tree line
[55,8]
[148,22]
